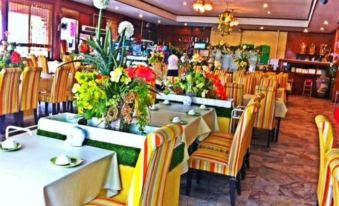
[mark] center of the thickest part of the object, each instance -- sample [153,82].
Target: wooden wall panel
[294,39]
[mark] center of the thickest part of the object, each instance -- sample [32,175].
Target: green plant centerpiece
[113,94]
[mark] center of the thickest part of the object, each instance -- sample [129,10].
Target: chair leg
[54,108]
[277,130]
[35,113]
[247,161]
[238,184]
[198,176]
[46,108]
[232,184]
[64,106]
[58,107]
[71,106]
[189,182]
[243,172]
[2,124]
[269,137]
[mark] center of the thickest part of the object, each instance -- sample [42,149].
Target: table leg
[277,130]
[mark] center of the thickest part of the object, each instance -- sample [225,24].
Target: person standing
[172,68]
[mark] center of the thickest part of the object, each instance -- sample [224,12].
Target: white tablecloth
[28,178]
[53,65]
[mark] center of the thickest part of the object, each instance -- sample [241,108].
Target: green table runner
[126,155]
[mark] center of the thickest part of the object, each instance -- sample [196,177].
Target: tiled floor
[285,175]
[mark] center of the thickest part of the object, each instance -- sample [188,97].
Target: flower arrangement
[195,84]
[114,97]
[156,57]
[9,58]
[113,93]
[218,90]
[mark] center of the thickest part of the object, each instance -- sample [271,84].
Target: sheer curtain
[30,24]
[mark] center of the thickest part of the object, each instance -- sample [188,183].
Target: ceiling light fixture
[201,6]
[322,28]
[265,5]
[116,8]
[184,3]
[226,22]
[326,22]
[305,30]
[268,12]
[262,28]
[141,15]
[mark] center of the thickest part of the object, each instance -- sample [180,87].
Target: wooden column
[4,13]
[336,53]
[56,30]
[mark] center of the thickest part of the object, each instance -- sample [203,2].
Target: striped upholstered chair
[33,60]
[9,93]
[265,118]
[333,166]
[147,187]
[58,93]
[29,91]
[325,131]
[226,163]
[67,59]
[249,83]
[282,80]
[235,91]
[43,63]
[269,82]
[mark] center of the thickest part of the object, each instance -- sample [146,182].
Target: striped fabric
[269,82]
[71,79]
[333,164]
[235,91]
[237,75]
[224,76]
[29,88]
[33,59]
[59,87]
[227,163]
[249,83]
[325,130]
[282,80]
[9,90]
[147,187]
[265,117]
[43,63]
[220,141]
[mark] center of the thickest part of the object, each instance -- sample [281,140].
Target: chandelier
[201,6]
[226,22]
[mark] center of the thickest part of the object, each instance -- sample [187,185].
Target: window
[29,25]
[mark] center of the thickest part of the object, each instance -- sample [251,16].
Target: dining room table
[29,177]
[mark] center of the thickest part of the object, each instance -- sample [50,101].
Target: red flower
[99,77]
[15,57]
[142,72]
[218,88]
[84,48]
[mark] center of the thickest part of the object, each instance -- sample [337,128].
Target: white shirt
[173,61]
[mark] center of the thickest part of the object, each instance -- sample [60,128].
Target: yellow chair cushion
[209,160]
[218,141]
[102,201]
[224,124]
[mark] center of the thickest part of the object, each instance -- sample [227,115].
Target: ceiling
[286,15]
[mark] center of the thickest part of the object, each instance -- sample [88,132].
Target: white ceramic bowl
[202,106]
[176,120]
[62,160]
[9,144]
[191,112]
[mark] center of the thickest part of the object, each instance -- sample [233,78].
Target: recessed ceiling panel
[280,9]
